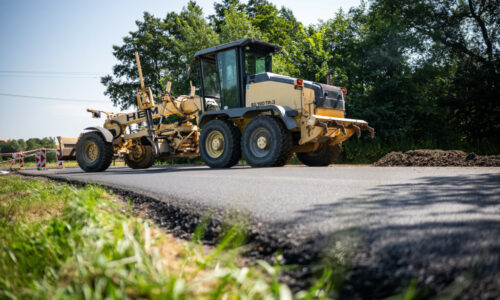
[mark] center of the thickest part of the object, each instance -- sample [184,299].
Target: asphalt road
[435,225]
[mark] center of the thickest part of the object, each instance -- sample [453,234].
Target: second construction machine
[243,110]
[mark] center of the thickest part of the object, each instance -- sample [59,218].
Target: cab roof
[258,45]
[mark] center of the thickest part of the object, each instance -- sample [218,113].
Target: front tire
[266,142]
[142,158]
[93,153]
[325,154]
[220,144]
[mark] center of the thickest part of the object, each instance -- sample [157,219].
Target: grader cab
[243,110]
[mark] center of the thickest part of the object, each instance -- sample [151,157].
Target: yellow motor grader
[243,110]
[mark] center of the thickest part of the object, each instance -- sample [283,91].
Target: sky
[60,49]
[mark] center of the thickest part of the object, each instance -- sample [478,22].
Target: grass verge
[59,241]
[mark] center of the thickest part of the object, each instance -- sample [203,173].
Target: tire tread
[286,150]
[234,146]
[145,163]
[285,143]
[105,147]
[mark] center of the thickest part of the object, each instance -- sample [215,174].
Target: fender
[108,136]
[286,113]
[146,140]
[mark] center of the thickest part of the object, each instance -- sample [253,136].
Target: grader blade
[356,125]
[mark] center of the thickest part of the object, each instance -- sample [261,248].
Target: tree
[219,18]
[166,47]
[264,16]
[462,38]
[33,143]
[10,146]
[237,26]
[306,57]
[22,144]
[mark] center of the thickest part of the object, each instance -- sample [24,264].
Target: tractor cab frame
[225,69]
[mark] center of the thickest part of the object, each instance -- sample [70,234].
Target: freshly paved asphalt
[432,224]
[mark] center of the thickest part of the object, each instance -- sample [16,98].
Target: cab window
[228,74]
[254,63]
[210,85]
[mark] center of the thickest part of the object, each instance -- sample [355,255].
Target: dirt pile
[438,158]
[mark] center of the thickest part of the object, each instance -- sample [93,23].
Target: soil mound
[438,158]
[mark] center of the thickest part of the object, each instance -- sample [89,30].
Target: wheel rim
[137,154]
[91,152]
[214,144]
[260,142]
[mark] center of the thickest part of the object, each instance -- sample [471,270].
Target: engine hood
[327,96]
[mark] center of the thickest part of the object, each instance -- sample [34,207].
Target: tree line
[424,74]
[20,145]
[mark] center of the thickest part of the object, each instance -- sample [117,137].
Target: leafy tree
[33,143]
[264,16]
[462,37]
[307,58]
[10,146]
[237,26]
[166,47]
[369,56]
[48,142]
[22,144]
[219,18]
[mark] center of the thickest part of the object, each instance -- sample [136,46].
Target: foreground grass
[62,242]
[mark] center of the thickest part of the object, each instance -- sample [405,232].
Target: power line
[51,72]
[53,99]
[49,76]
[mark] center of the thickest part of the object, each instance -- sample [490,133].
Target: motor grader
[243,109]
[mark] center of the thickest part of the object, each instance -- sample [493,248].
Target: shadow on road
[434,230]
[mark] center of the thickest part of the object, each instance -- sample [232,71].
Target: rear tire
[266,142]
[220,144]
[323,156]
[93,153]
[142,160]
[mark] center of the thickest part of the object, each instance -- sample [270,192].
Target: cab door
[210,84]
[227,66]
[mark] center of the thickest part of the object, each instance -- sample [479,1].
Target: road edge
[263,241]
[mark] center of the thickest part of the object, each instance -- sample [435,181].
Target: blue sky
[59,49]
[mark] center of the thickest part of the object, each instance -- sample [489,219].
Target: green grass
[59,241]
